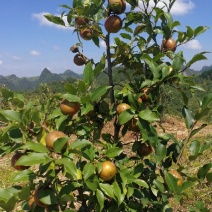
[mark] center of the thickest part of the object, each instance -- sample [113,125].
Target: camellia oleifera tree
[66,159]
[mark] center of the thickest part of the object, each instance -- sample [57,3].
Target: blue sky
[28,43]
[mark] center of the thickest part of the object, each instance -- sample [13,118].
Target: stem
[84,205]
[110,78]
[110,74]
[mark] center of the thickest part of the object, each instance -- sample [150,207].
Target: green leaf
[171,181]
[160,152]
[107,189]
[202,113]
[148,115]
[88,170]
[178,61]
[88,74]
[194,147]
[59,144]
[47,197]
[141,183]
[206,100]
[126,36]
[189,32]
[188,116]
[79,144]
[33,159]
[100,66]
[11,115]
[6,94]
[92,183]
[195,58]
[71,97]
[125,116]
[159,186]
[195,131]
[202,172]
[169,19]
[199,30]
[99,92]
[184,186]
[55,19]
[117,192]
[37,147]
[139,29]
[69,166]
[100,198]
[24,175]
[113,152]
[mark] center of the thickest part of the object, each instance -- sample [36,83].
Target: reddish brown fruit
[178,176]
[169,45]
[113,24]
[108,171]
[79,60]
[69,108]
[145,95]
[117,6]
[144,150]
[133,125]
[14,159]
[122,107]
[74,49]
[52,137]
[86,34]
[81,21]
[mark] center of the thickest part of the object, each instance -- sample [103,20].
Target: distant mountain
[207,74]
[206,68]
[29,83]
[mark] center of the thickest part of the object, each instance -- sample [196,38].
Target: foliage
[69,173]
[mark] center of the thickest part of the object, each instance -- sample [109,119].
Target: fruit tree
[68,161]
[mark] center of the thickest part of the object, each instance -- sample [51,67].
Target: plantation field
[175,125]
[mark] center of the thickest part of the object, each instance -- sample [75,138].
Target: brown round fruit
[52,137]
[86,34]
[145,95]
[81,21]
[113,24]
[122,107]
[169,45]
[178,176]
[144,150]
[117,6]
[69,108]
[108,171]
[79,59]
[14,159]
[140,100]
[74,49]
[133,125]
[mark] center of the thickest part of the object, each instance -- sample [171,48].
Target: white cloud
[56,48]
[1,62]
[180,7]
[34,53]
[193,44]
[16,58]
[44,22]
[102,44]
